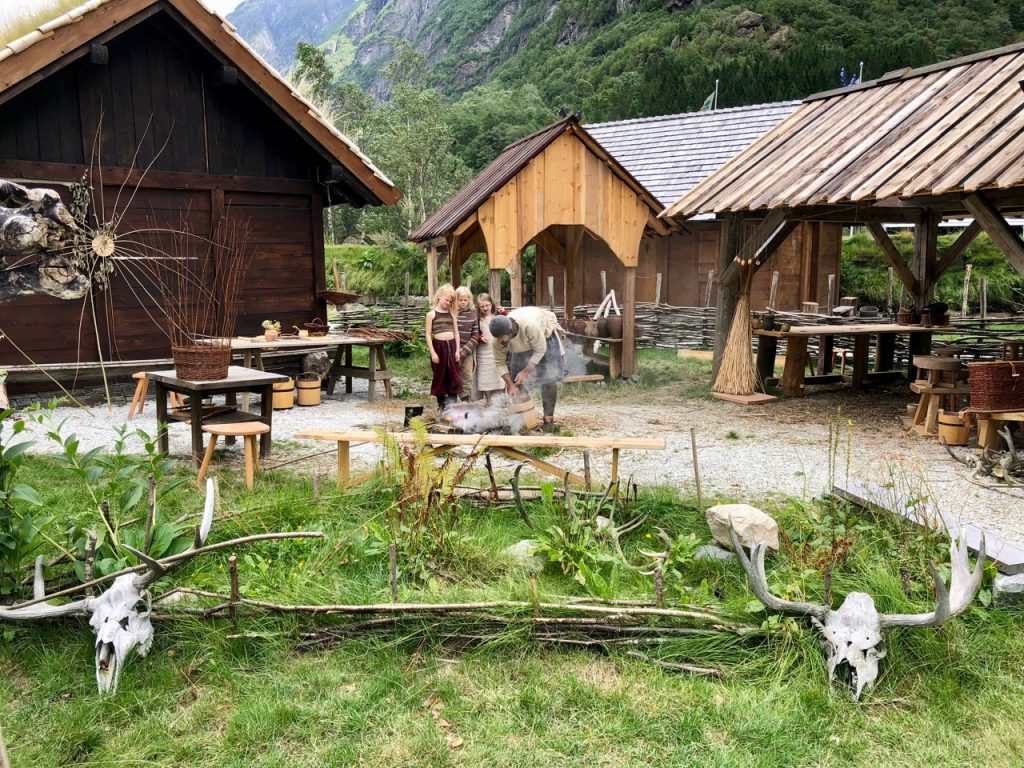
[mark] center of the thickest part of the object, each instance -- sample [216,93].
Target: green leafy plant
[21,530]
[272,325]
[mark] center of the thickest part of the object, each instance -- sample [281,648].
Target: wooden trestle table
[794,375]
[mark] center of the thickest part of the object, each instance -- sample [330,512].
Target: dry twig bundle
[736,376]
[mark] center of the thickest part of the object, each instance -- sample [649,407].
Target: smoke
[575,362]
[478,418]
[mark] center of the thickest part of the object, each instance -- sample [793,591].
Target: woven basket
[207,362]
[338,298]
[997,385]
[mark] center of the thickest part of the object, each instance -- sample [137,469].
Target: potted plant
[271,330]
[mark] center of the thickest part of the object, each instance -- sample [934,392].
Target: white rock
[525,553]
[752,525]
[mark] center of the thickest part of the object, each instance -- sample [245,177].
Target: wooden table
[238,380]
[508,445]
[794,376]
[377,369]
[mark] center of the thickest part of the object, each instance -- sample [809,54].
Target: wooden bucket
[309,389]
[284,395]
[952,429]
[524,407]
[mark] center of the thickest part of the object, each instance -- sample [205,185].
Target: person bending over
[527,351]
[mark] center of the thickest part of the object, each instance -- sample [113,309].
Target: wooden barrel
[952,429]
[524,407]
[284,395]
[309,389]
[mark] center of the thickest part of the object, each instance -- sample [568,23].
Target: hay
[737,375]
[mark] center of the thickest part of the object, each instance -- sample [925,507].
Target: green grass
[405,696]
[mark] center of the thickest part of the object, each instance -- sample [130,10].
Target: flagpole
[860,77]
[715,104]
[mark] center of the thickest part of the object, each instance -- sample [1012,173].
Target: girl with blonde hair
[442,335]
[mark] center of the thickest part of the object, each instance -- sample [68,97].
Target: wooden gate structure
[553,188]
[914,146]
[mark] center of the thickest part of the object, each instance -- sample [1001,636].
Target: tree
[489,118]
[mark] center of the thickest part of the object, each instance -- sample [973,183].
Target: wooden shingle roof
[671,154]
[68,37]
[505,166]
[948,129]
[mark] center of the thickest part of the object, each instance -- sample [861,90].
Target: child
[469,336]
[442,334]
[487,380]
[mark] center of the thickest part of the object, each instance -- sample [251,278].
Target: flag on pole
[709,103]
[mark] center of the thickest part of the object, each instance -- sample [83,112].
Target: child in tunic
[487,380]
[442,335]
[469,338]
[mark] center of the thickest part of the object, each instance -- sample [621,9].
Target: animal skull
[853,635]
[120,619]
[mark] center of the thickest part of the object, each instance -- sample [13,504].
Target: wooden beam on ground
[893,256]
[768,236]
[986,214]
[957,248]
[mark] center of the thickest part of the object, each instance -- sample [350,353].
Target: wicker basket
[338,298]
[206,362]
[997,385]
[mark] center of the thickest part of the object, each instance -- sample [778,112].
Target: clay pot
[590,328]
[271,335]
[755,324]
[615,326]
[579,326]
[602,327]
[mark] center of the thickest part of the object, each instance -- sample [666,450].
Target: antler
[963,586]
[754,566]
[39,610]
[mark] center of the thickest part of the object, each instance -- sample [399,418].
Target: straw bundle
[736,375]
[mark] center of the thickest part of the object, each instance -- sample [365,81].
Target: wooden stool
[139,397]
[840,356]
[249,430]
[926,417]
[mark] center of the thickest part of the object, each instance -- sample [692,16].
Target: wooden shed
[555,188]
[914,146]
[169,117]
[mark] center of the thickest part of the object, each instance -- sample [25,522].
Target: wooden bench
[508,445]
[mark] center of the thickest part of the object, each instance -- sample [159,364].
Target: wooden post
[888,288]
[405,294]
[431,271]
[236,596]
[728,293]
[344,282]
[629,365]
[604,283]
[657,289]
[334,271]
[494,285]
[967,288]
[774,292]
[571,261]
[551,292]
[455,261]
[926,236]
[708,288]
[983,298]
[830,302]
[515,272]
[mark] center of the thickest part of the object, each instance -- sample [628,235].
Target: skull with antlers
[853,634]
[120,617]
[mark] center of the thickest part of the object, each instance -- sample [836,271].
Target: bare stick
[150,515]
[689,668]
[586,469]
[393,571]
[490,475]
[235,594]
[90,558]
[659,586]
[4,761]
[696,468]
[314,479]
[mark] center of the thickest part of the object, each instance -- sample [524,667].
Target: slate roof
[22,58]
[671,154]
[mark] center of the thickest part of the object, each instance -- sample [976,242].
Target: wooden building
[173,122]
[588,196]
[914,146]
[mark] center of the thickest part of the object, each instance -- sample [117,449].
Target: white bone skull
[853,634]
[120,619]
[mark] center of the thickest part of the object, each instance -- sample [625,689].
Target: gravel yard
[744,453]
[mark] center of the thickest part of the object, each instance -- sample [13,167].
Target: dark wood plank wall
[684,259]
[212,149]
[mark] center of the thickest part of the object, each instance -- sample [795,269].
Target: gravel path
[745,453]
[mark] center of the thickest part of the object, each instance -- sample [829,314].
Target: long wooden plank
[485,441]
[997,228]
[893,256]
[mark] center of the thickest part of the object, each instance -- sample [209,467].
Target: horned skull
[853,634]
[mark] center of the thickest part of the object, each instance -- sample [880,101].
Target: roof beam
[768,236]
[986,214]
[957,248]
[893,256]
